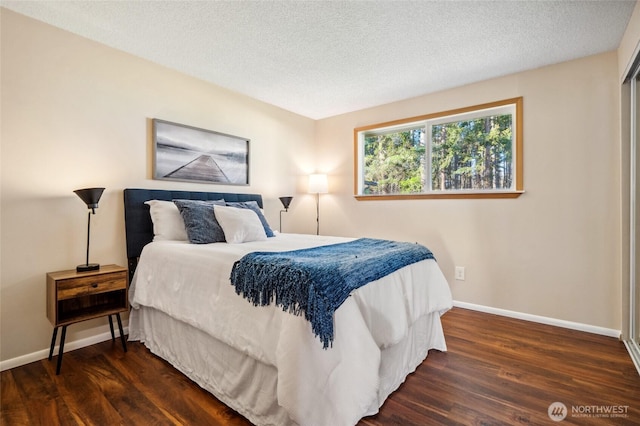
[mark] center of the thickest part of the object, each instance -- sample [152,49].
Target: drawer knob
[94,285]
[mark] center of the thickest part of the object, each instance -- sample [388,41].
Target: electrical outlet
[460,273]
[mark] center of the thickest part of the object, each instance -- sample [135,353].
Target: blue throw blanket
[316,281]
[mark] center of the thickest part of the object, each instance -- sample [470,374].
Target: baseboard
[540,319]
[92,340]
[68,346]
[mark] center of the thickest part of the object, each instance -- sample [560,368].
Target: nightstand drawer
[95,284]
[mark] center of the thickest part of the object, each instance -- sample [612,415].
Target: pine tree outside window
[473,152]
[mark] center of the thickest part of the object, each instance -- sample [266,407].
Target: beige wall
[74,115]
[554,251]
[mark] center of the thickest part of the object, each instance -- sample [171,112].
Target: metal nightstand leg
[53,342]
[61,350]
[124,343]
[113,335]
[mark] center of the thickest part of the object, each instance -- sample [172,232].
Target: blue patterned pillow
[200,222]
[253,205]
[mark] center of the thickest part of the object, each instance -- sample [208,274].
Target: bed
[262,361]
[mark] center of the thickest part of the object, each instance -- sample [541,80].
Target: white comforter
[317,387]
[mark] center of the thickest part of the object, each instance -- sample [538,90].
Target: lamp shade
[286,201]
[318,184]
[90,196]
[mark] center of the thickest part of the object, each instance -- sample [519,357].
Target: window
[473,152]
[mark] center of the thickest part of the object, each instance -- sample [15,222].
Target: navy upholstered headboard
[137,220]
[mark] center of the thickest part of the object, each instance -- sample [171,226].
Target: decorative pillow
[253,205]
[167,222]
[239,225]
[200,222]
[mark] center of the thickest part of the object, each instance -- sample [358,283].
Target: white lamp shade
[318,184]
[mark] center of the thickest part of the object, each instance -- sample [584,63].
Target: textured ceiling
[323,58]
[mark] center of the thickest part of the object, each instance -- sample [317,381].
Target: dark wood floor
[497,371]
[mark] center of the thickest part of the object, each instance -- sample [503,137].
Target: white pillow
[239,225]
[167,222]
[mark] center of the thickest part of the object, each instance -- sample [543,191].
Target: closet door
[634,296]
[633,340]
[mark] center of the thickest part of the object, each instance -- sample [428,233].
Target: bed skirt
[250,386]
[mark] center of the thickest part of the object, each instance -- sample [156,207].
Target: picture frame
[192,154]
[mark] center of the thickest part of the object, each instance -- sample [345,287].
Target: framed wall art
[191,154]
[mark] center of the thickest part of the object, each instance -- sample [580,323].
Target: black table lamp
[286,201]
[90,196]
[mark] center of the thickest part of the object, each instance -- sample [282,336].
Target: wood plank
[40,394]
[497,371]
[12,406]
[178,398]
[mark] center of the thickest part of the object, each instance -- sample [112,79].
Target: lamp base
[88,267]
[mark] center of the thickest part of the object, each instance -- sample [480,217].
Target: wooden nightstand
[79,296]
